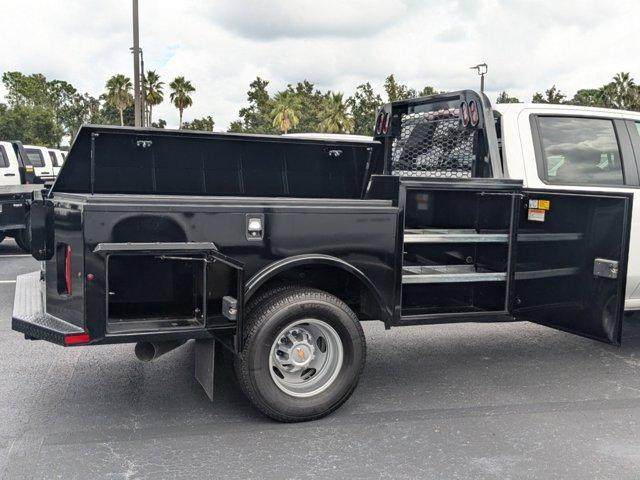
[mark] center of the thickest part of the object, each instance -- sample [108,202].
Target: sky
[222,45]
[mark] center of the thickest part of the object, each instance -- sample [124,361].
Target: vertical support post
[136,66]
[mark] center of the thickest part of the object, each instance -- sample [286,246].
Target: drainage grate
[433,144]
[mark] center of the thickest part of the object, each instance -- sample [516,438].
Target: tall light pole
[136,67]
[482,69]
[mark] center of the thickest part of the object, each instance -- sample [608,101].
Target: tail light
[386,121]
[464,114]
[474,116]
[379,123]
[76,339]
[67,270]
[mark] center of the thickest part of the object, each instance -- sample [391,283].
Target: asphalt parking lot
[453,401]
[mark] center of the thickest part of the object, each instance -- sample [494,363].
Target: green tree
[428,91]
[153,93]
[161,123]
[29,124]
[119,93]
[311,102]
[204,124]
[335,117]
[69,108]
[552,95]
[621,93]
[285,111]
[504,97]
[589,97]
[256,117]
[26,90]
[181,91]
[397,91]
[364,105]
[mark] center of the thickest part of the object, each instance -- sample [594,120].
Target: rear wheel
[23,239]
[303,355]
[23,236]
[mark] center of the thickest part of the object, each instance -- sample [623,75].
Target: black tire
[257,301]
[23,239]
[266,322]
[23,236]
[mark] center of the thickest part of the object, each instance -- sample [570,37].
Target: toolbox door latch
[605,268]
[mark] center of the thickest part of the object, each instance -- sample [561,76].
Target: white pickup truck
[41,161]
[576,148]
[57,157]
[18,183]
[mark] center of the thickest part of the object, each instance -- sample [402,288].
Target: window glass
[4,160]
[580,150]
[54,158]
[638,127]
[35,157]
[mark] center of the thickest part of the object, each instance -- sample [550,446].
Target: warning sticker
[540,204]
[536,215]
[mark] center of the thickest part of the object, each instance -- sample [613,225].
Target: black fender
[276,268]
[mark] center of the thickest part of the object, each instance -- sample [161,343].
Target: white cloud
[221,46]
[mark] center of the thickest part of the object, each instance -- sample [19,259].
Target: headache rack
[432,137]
[429,145]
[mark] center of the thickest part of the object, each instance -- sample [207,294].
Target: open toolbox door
[571,261]
[165,287]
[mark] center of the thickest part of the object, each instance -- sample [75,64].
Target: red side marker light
[76,339]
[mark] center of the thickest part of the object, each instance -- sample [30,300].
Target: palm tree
[180,90]
[335,116]
[119,93]
[286,111]
[153,90]
[622,90]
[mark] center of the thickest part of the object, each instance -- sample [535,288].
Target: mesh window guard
[432,146]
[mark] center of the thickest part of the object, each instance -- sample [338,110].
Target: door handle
[9,174]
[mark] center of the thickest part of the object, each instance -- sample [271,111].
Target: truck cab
[9,165]
[41,161]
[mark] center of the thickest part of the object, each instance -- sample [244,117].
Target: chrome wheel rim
[306,358]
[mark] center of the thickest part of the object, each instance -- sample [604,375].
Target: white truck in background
[57,157]
[41,161]
[18,185]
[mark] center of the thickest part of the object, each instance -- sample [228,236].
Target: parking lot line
[7,281]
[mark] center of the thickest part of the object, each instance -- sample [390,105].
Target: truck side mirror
[41,229]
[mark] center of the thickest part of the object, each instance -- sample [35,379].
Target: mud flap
[205,361]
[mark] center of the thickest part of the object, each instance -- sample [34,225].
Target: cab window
[580,151]
[35,157]
[4,160]
[54,159]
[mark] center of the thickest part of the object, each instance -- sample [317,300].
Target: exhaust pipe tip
[147,351]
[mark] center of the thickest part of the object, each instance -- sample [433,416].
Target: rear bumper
[29,316]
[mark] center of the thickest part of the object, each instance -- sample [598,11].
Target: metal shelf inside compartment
[469,235]
[469,273]
[459,235]
[449,274]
